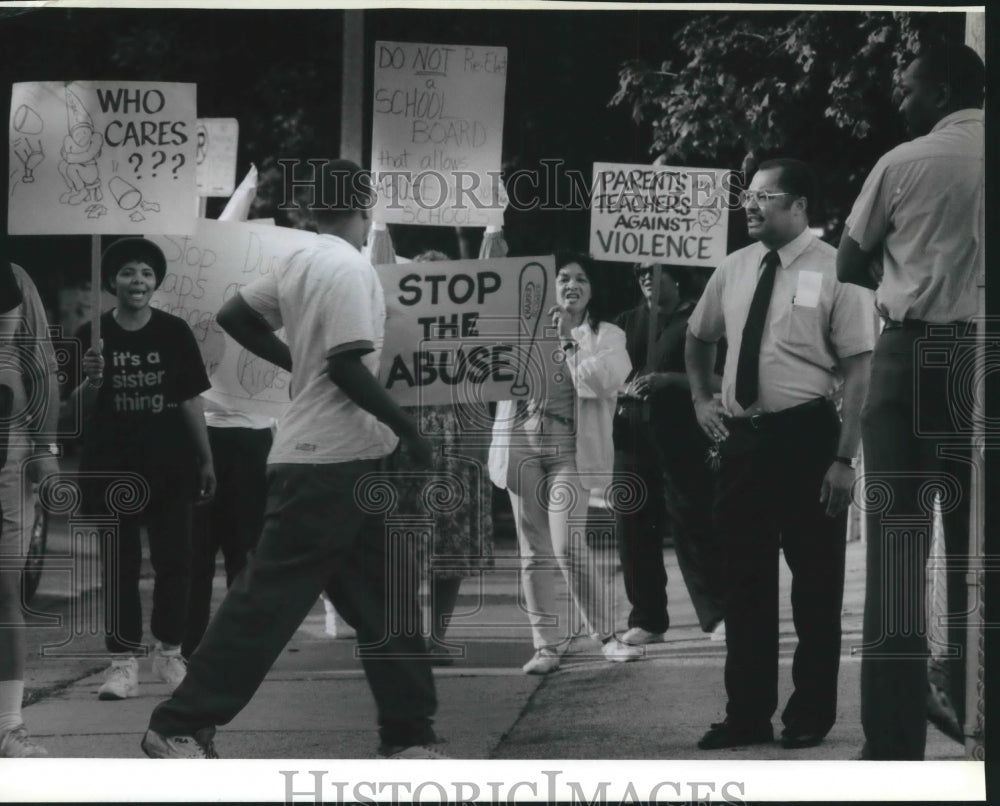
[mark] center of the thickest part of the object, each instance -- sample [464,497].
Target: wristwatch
[845,460]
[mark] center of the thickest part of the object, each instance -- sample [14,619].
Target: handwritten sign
[437,133]
[91,157]
[204,270]
[215,155]
[468,331]
[646,213]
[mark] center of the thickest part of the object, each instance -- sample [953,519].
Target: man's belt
[915,324]
[778,419]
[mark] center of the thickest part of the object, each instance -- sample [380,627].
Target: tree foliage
[818,86]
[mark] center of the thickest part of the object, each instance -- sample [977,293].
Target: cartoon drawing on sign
[79,153]
[708,218]
[202,144]
[532,285]
[129,197]
[27,148]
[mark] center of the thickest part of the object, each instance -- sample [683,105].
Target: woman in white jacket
[549,452]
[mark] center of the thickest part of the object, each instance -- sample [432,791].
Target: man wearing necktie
[797,340]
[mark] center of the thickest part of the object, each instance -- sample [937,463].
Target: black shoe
[728,734]
[797,738]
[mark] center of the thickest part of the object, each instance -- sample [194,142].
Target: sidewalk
[315,702]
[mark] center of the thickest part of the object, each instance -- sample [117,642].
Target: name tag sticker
[807,291]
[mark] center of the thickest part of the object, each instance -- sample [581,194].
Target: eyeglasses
[759,196]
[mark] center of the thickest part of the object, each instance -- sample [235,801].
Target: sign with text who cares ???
[92,157]
[437,134]
[657,213]
[468,331]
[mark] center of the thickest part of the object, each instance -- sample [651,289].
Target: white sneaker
[620,652]
[542,662]
[416,751]
[637,636]
[121,680]
[16,744]
[169,665]
[719,633]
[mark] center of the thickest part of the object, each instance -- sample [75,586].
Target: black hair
[598,309]
[125,250]
[341,188]
[796,177]
[959,68]
[429,256]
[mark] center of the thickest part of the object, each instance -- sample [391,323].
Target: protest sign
[468,331]
[92,157]
[437,133]
[647,214]
[204,270]
[215,155]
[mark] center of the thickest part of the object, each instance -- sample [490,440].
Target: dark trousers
[767,498]
[913,446]
[689,487]
[316,538]
[640,540]
[232,521]
[167,517]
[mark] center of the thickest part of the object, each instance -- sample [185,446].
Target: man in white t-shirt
[317,535]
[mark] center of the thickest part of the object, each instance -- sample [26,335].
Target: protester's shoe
[801,734]
[15,743]
[121,680]
[542,662]
[618,651]
[414,751]
[729,734]
[169,665]
[637,636]
[200,745]
[797,741]
[719,632]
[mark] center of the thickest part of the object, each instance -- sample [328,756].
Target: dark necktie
[748,366]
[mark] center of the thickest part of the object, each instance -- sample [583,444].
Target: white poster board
[468,331]
[659,214]
[204,270]
[215,157]
[437,133]
[93,157]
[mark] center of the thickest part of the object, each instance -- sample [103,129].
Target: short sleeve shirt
[329,300]
[813,321]
[922,212]
[136,421]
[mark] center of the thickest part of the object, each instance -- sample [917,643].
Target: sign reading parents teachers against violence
[467,331]
[204,270]
[437,133]
[91,157]
[656,213]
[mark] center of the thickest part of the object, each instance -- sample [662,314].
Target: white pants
[550,514]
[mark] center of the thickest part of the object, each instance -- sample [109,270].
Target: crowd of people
[735,403]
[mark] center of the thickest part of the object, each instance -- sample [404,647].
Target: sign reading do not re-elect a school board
[92,157]
[658,213]
[437,133]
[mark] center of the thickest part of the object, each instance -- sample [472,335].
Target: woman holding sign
[550,451]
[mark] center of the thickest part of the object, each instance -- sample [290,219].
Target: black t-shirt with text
[136,421]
